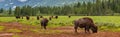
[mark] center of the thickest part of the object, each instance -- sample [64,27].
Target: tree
[1,10]
[10,11]
[17,11]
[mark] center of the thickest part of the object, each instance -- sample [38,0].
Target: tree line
[96,8]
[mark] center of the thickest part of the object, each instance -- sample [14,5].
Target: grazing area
[61,27]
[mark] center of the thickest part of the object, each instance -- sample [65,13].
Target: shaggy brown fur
[86,23]
[44,22]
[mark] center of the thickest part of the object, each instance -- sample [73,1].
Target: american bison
[41,16]
[38,18]
[50,18]
[27,17]
[17,17]
[22,17]
[86,23]
[69,16]
[56,17]
[44,22]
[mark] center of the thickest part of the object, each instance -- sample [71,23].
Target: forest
[95,8]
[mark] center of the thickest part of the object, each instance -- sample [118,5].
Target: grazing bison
[69,16]
[44,22]
[41,16]
[22,17]
[56,17]
[50,18]
[86,23]
[17,17]
[38,18]
[27,17]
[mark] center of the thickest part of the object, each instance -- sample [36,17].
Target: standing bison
[44,22]
[69,16]
[56,17]
[17,17]
[41,16]
[38,18]
[86,23]
[27,17]
[50,18]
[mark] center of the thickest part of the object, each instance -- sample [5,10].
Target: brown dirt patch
[66,31]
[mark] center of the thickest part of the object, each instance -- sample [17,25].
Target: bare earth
[66,31]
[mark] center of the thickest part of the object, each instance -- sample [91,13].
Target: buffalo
[27,17]
[44,22]
[17,17]
[50,18]
[69,16]
[38,18]
[22,17]
[86,23]
[41,16]
[56,17]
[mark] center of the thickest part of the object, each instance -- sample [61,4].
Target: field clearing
[61,27]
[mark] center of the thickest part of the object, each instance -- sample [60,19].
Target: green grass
[104,22]
[14,30]
[2,28]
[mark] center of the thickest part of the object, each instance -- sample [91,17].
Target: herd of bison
[86,23]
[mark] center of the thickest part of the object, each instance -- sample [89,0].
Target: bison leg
[45,27]
[76,27]
[87,29]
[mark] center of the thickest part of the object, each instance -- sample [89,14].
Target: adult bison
[41,16]
[86,23]
[17,17]
[27,17]
[44,22]
[38,18]
[50,18]
[69,16]
[56,17]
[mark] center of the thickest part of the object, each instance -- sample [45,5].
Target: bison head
[94,29]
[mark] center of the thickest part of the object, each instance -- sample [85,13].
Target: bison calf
[44,22]
[86,23]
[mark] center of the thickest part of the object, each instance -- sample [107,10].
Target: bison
[41,16]
[50,18]
[27,17]
[38,18]
[56,17]
[17,17]
[44,22]
[86,23]
[69,16]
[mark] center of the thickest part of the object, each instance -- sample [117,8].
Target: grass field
[102,21]
[105,23]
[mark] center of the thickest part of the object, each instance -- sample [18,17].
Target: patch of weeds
[14,30]
[16,35]
[2,28]
[50,31]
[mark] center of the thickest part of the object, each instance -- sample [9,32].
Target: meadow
[105,23]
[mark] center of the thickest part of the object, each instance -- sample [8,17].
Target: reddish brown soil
[66,31]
